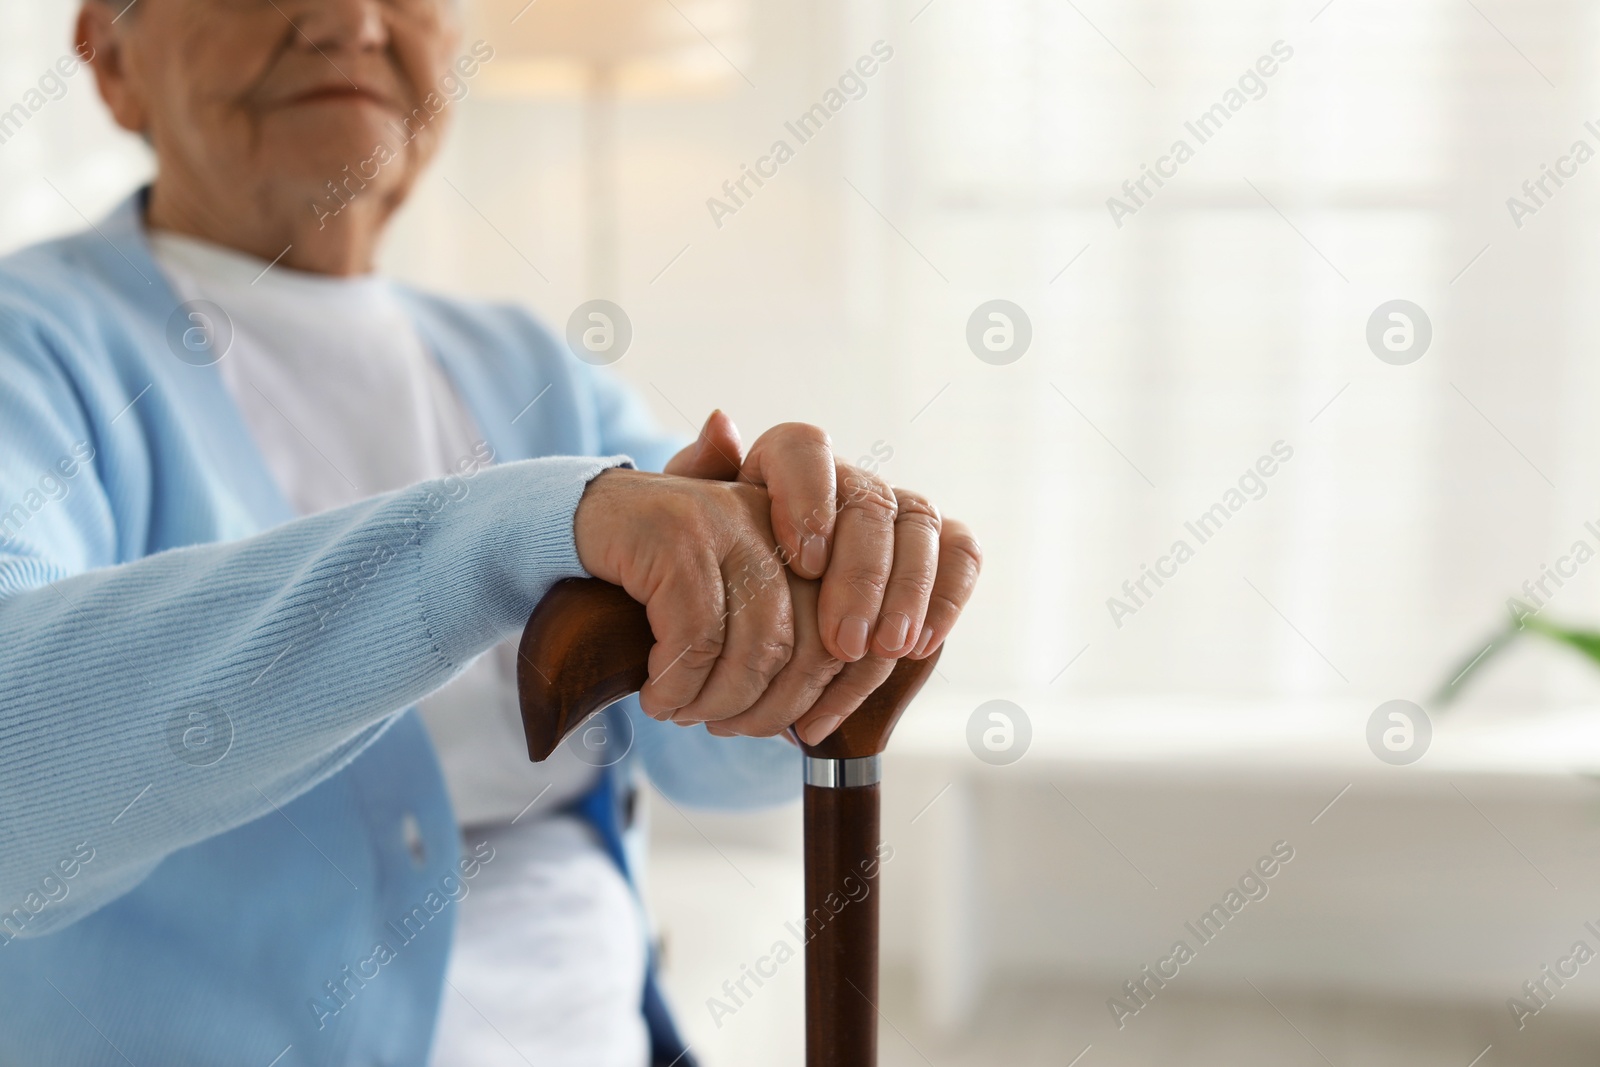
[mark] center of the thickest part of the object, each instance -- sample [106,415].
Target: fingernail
[892,631]
[816,731]
[923,641]
[813,553]
[853,637]
[705,434]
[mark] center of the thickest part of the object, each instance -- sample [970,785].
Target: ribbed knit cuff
[493,550]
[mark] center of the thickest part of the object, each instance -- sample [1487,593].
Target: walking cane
[587,645]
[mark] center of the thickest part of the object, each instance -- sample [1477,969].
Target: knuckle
[964,547]
[915,506]
[701,654]
[767,658]
[688,559]
[818,670]
[917,585]
[943,607]
[804,433]
[752,584]
[870,496]
[868,582]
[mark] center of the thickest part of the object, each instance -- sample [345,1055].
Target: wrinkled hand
[880,551]
[895,575]
[699,556]
[780,585]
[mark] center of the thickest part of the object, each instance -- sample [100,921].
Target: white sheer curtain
[1229,313]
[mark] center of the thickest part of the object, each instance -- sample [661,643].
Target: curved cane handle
[588,643]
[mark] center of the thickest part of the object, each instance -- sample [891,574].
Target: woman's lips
[335,94]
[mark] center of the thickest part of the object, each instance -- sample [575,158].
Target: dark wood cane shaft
[841,923]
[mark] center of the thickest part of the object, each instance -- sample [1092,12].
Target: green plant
[1586,642]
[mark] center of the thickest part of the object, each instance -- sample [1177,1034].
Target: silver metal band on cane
[844,773]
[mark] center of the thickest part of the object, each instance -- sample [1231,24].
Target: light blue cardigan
[162,909]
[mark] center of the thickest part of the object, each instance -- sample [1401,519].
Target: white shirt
[344,401]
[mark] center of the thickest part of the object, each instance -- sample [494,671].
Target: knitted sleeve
[149,705]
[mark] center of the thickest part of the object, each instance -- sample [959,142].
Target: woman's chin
[333,135]
[351,166]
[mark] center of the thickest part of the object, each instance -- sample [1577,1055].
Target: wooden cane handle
[588,643]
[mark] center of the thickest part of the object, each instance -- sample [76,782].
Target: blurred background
[1147,755]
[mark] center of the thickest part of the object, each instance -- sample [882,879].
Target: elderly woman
[258,506]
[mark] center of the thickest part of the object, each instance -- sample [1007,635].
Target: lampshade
[642,46]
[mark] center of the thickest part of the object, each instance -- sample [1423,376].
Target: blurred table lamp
[601,50]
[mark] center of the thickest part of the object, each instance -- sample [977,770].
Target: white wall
[69,142]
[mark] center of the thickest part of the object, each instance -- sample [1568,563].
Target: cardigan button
[411,833]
